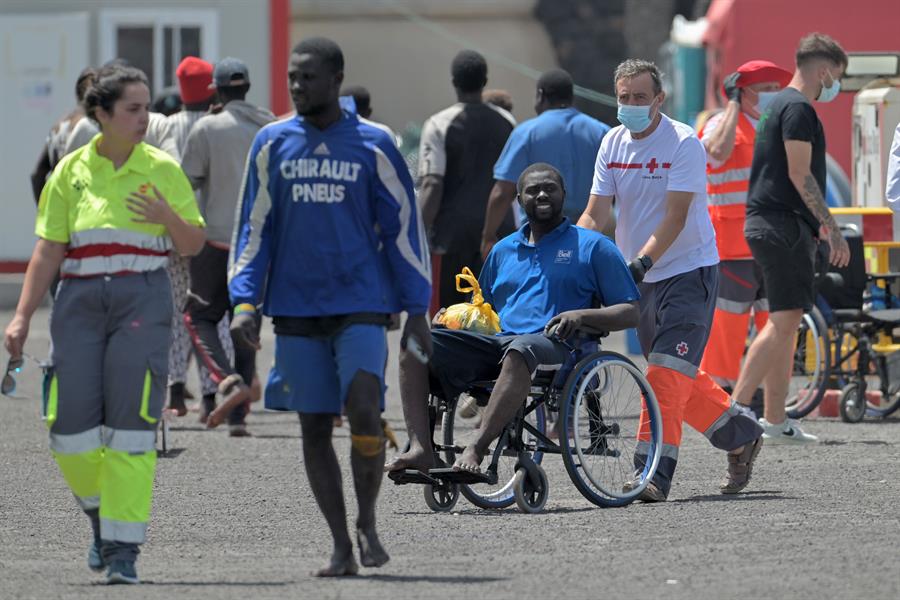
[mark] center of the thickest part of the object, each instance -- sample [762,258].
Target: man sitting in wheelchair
[543,281]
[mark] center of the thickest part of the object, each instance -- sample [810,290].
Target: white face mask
[635,118]
[829,93]
[764,100]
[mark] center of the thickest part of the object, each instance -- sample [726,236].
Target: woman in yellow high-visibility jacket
[107,218]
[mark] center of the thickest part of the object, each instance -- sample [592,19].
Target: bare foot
[371,552]
[418,460]
[177,409]
[340,566]
[238,394]
[469,460]
[255,389]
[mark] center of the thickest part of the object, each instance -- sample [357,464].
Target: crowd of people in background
[222,211]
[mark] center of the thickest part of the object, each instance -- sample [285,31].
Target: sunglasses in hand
[13,368]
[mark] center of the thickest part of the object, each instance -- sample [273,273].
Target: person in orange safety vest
[729,137]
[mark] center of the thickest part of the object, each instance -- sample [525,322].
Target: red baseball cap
[194,77]
[760,71]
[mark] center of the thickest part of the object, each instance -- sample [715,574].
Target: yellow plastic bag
[477,316]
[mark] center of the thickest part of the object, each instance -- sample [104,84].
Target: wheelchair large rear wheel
[601,411]
[811,367]
[458,426]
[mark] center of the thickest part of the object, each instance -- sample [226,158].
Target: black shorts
[785,249]
[463,357]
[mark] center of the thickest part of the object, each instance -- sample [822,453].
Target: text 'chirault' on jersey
[319,168]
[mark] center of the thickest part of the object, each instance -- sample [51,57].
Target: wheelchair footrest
[450,475]
[407,476]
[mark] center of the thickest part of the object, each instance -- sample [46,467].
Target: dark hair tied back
[109,85]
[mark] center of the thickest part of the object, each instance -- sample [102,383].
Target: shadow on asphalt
[504,512]
[212,583]
[171,453]
[757,495]
[429,578]
[103,584]
[863,442]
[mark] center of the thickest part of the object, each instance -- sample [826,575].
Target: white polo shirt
[639,173]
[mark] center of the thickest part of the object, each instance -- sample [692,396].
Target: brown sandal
[740,467]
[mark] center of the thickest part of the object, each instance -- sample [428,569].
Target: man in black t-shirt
[786,212]
[457,153]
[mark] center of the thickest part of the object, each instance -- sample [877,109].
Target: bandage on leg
[368,446]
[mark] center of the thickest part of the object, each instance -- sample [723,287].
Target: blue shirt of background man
[566,138]
[570,268]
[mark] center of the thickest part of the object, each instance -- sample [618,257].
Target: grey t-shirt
[87,128]
[214,158]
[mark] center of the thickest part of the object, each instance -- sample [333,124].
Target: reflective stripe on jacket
[112,251]
[726,190]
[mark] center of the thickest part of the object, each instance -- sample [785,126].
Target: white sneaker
[788,432]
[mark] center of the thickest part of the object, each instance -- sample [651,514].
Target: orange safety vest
[726,192]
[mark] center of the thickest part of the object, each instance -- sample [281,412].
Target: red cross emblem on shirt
[652,165]
[682,348]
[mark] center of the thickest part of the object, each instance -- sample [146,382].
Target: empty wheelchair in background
[859,312]
[595,403]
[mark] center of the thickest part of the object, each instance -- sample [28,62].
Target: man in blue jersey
[548,274]
[560,135]
[329,239]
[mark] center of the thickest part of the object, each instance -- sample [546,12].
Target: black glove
[244,330]
[639,267]
[732,91]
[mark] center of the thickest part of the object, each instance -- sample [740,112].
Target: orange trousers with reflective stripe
[727,342]
[697,401]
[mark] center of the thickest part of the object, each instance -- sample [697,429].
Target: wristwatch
[645,261]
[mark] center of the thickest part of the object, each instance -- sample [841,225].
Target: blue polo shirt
[566,138]
[570,268]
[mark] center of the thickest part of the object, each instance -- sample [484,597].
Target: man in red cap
[729,138]
[195,77]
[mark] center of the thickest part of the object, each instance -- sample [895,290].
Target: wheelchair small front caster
[531,496]
[441,498]
[852,404]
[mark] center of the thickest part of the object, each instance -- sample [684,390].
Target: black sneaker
[95,557]
[121,571]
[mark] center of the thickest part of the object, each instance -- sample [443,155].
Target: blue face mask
[635,118]
[765,99]
[829,93]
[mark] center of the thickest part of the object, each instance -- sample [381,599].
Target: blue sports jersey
[566,138]
[328,224]
[570,268]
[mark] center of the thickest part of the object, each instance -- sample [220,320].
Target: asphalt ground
[234,518]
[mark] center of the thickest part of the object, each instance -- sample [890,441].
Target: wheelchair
[588,410]
[857,315]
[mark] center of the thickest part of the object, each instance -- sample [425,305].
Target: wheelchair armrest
[591,332]
[892,276]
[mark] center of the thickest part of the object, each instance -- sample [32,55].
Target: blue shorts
[312,375]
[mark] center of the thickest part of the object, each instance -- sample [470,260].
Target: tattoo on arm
[815,202]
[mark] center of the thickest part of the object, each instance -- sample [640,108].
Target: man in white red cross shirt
[655,168]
